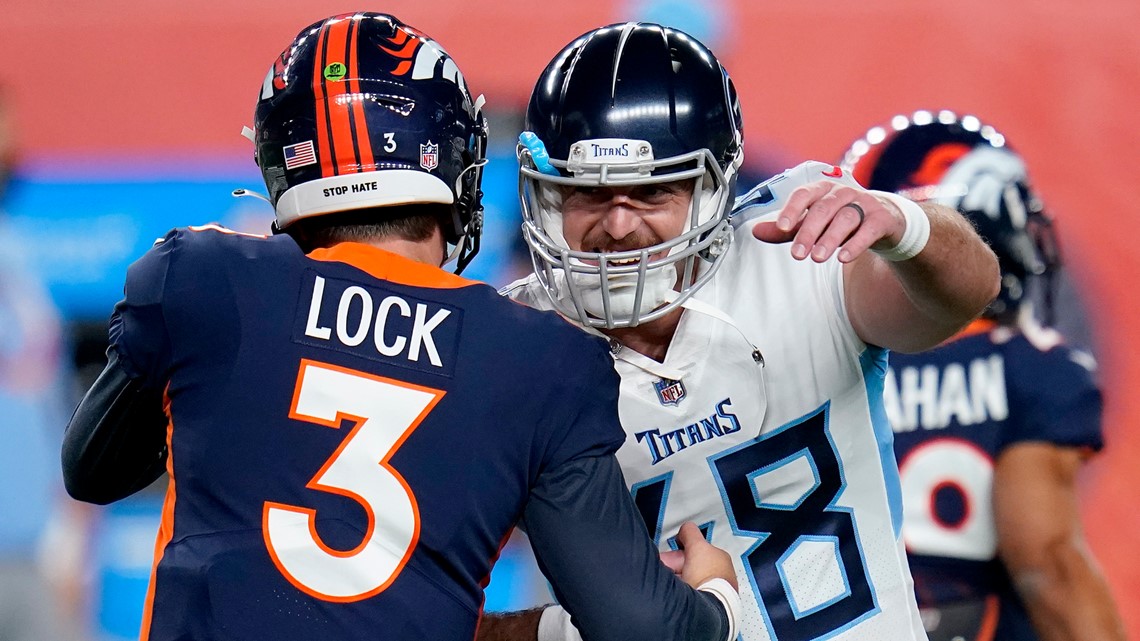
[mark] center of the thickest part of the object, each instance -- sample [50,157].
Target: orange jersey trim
[392,267]
[979,326]
[485,581]
[166,527]
[989,619]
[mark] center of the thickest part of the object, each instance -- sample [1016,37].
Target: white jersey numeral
[954,469]
[387,412]
[807,569]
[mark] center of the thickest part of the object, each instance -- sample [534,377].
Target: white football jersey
[782,457]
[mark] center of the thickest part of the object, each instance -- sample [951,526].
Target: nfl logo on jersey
[429,156]
[669,392]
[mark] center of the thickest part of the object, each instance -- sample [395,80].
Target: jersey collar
[389,266]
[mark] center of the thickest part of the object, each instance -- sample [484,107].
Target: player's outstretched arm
[1041,543]
[115,444]
[591,543]
[913,274]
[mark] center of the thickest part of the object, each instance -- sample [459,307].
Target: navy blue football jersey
[953,410]
[352,435]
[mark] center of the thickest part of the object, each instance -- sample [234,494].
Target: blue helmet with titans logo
[634,104]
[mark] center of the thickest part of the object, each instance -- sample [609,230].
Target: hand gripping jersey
[352,435]
[954,409]
[783,457]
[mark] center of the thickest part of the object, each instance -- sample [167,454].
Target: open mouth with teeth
[624,262]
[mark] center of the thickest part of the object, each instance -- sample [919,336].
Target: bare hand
[702,561]
[824,216]
[674,560]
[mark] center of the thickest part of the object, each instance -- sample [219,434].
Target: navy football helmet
[363,111]
[629,104]
[963,163]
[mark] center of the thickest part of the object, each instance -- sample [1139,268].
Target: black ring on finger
[858,210]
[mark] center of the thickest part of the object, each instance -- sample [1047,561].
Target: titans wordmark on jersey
[781,458]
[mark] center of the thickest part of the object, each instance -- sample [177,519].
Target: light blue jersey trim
[787,460]
[873,361]
[797,612]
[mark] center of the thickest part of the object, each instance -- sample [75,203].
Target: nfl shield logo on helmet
[429,156]
[669,392]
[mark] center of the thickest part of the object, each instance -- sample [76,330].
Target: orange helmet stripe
[938,161]
[336,50]
[324,140]
[365,161]
[405,51]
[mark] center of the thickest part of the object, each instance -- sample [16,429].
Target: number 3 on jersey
[386,412]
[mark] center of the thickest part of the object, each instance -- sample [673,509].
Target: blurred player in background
[235,360]
[750,372]
[34,397]
[992,427]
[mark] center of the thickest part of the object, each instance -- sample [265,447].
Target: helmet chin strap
[674,373]
[242,192]
[702,307]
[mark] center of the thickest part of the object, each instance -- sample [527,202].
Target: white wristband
[916,232]
[554,625]
[730,598]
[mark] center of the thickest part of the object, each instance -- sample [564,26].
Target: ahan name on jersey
[933,397]
[947,415]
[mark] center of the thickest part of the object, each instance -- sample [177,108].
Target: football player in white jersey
[993,425]
[751,344]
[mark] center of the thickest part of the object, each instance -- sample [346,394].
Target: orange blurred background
[1060,79]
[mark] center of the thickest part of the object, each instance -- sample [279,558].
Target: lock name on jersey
[377,324]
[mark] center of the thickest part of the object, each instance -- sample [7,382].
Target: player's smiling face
[615,219]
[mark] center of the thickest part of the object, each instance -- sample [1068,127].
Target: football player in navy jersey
[992,426]
[351,432]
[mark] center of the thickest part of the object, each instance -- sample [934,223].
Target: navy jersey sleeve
[1053,397]
[591,542]
[138,330]
[115,442]
[585,422]
[589,539]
